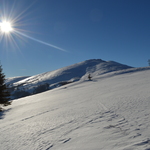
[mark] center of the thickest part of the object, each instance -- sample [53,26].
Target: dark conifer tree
[89,77]
[4,94]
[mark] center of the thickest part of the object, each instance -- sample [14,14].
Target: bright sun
[6,27]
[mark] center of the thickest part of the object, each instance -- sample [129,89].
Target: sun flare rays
[12,28]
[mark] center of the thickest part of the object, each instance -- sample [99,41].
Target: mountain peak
[56,78]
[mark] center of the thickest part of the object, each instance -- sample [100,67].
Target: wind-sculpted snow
[109,113]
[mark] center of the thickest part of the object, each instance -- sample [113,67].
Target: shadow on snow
[3,113]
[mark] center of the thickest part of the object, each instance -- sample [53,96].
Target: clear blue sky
[117,30]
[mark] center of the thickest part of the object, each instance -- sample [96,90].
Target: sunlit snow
[111,112]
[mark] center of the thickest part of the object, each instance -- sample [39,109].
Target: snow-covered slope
[50,80]
[12,80]
[75,71]
[112,112]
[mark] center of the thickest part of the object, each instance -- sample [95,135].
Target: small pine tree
[89,77]
[4,94]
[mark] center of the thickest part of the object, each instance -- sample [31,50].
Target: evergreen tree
[4,94]
[89,77]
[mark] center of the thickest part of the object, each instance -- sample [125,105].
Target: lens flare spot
[6,27]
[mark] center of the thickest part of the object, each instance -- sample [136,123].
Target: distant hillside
[15,79]
[20,87]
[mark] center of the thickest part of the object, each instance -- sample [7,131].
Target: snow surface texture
[111,112]
[53,79]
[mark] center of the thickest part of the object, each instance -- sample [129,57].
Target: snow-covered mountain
[10,81]
[49,80]
[111,112]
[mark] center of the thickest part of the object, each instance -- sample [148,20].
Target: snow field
[109,113]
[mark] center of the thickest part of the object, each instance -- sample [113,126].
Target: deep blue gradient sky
[117,30]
